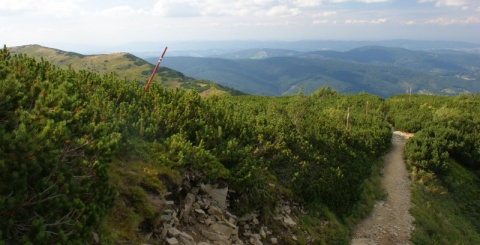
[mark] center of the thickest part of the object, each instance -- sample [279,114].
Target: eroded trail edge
[390,221]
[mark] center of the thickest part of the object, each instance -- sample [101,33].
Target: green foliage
[55,148]
[446,209]
[61,130]
[447,127]
[126,66]
[441,156]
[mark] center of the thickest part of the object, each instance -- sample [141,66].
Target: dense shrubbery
[441,155]
[61,129]
[446,127]
[58,135]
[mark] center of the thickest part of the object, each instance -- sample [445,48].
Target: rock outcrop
[202,218]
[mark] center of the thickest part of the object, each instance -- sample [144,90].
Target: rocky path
[390,221]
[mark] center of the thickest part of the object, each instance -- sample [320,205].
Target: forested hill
[377,70]
[124,66]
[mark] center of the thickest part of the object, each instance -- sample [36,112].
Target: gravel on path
[390,221]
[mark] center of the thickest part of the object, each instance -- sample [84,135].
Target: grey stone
[212,236]
[215,210]
[172,231]
[148,236]
[165,231]
[289,221]
[222,229]
[172,241]
[220,196]
[189,200]
[95,237]
[262,232]
[186,236]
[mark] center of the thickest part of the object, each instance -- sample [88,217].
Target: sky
[117,22]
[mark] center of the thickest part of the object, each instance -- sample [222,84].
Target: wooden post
[348,118]
[155,70]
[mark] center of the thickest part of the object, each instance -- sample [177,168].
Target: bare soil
[390,221]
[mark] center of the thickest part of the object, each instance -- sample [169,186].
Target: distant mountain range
[373,69]
[124,66]
[220,48]
[379,70]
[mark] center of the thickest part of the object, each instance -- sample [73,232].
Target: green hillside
[444,161]
[377,70]
[124,66]
[83,153]
[92,159]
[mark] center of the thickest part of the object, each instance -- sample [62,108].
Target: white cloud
[268,8]
[41,7]
[306,3]
[325,14]
[363,21]
[319,22]
[176,8]
[409,22]
[452,21]
[120,11]
[462,4]
[359,1]
[283,10]
[15,5]
[450,3]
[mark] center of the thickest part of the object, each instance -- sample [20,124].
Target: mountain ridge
[124,65]
[382,71]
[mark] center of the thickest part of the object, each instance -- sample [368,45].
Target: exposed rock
[274,240]
[172,241]
[189,200]
[263,234]
[289,221]
[218,195]
[172,231]
[213,236]
[148,236]
[223,229]
[206,220]
[95,238]
[247,217]
[185,241]
[186,236]
[215,210]
[165,231]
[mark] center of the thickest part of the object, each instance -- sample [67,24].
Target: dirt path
[390,222]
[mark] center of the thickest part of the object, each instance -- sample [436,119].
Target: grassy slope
[124,65]
[446,208]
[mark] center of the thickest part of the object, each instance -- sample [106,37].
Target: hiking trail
[390,221]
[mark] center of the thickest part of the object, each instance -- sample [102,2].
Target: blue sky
[116,22]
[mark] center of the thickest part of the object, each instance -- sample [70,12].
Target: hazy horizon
[121,22]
